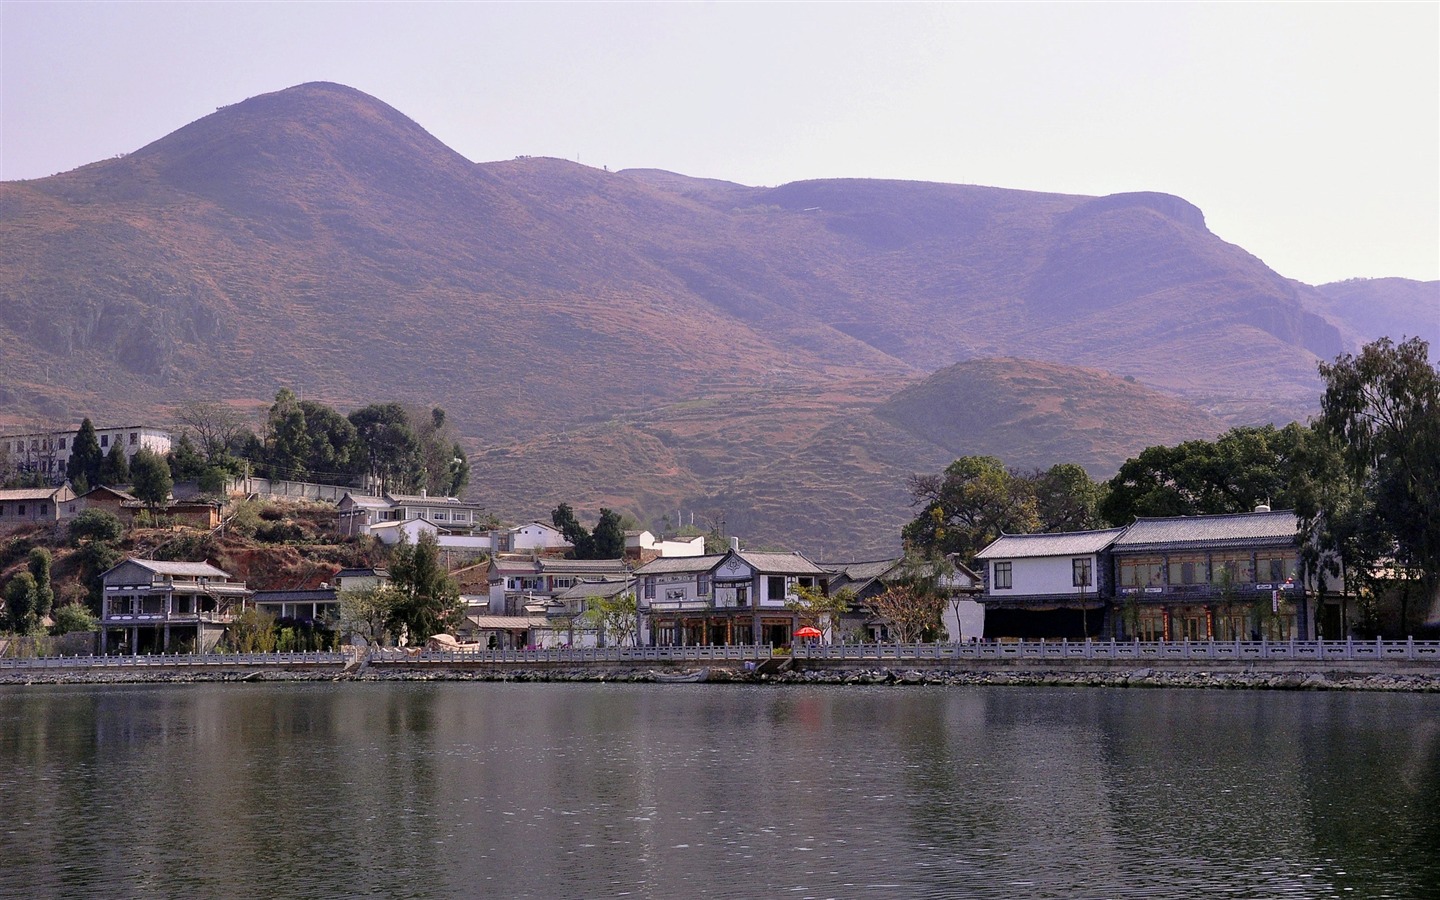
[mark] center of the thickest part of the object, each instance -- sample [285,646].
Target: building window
[777,587]
[1276,566]
[1002,575]
[20,509]
[62,443]
[649,587]
[1080,572]
[133,437]
[1187,569]
[104,440]
[702,585]
[1141,572]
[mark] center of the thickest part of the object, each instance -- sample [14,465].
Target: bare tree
[216,428]
[910,611]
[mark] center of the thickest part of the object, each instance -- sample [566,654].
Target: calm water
[507,790]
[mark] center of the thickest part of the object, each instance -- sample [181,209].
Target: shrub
[74,617]
[95,525]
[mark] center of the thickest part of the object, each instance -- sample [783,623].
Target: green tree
[388,449]
[1243,467]
[608,539]
[967,506]
[94,525]
[39,563]
[115,469]
[85,457]
[822,611]
[252,631]
[186,462]
[20,603]
[615,619]
[287,442]
[74,617]
[1382,407]
[429,601]
[150,478]
[563,518]
[1067,498]
[368,611]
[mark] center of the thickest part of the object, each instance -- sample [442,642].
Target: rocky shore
[1134,678]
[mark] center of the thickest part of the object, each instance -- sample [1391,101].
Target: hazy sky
[1308,133]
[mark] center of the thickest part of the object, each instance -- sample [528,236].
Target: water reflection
[439,790]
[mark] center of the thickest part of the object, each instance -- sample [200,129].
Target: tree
[608,539]
[186,463]
[252,631]
[967,506]
[368,611]
[910,610]
[822,611]
[150,478]
[563,518]
[38,564]
[219,432]
[1066,498]
[1383,409]
[20,603]
[614,618]
[74,617]
[85,457]
[94,525]
[388,449]
[429,601]
[287,441]
[115,469]
[1245,466]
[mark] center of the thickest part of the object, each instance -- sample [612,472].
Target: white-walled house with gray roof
[157,606]
[738,597]
[1047,585]
[1211,577]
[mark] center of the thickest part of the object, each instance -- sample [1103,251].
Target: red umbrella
[808,632]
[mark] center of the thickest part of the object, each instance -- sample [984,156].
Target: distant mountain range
[777,357]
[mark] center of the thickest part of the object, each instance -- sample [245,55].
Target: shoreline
[1138,678]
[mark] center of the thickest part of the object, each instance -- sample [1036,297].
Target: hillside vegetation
[640,338]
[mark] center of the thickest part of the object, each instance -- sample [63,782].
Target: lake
[435,789]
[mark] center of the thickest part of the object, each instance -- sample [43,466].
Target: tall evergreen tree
[85,456]
[39,566]
[429,601]
[150,478]
[115,469]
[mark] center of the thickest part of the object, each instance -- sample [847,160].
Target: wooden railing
[1138,651]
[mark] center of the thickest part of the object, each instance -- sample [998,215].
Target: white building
[48,452]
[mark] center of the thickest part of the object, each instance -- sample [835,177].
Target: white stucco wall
[1042,575]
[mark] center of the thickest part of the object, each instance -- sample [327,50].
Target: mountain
[639,339]
[1398,308]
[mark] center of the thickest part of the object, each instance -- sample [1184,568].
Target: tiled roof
[30,493]
[607,588]
[780,563]
[323,595]
[417,500]
[508,623]
[675,565]
[1068,543]
[1238,529]
[363,573]
[182,569]
[551,565]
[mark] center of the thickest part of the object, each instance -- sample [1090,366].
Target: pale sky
[1308,133]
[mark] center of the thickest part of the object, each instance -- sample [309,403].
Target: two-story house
[1047,585]
[48,452]
[739,597]
[155,606]
[1222,577]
